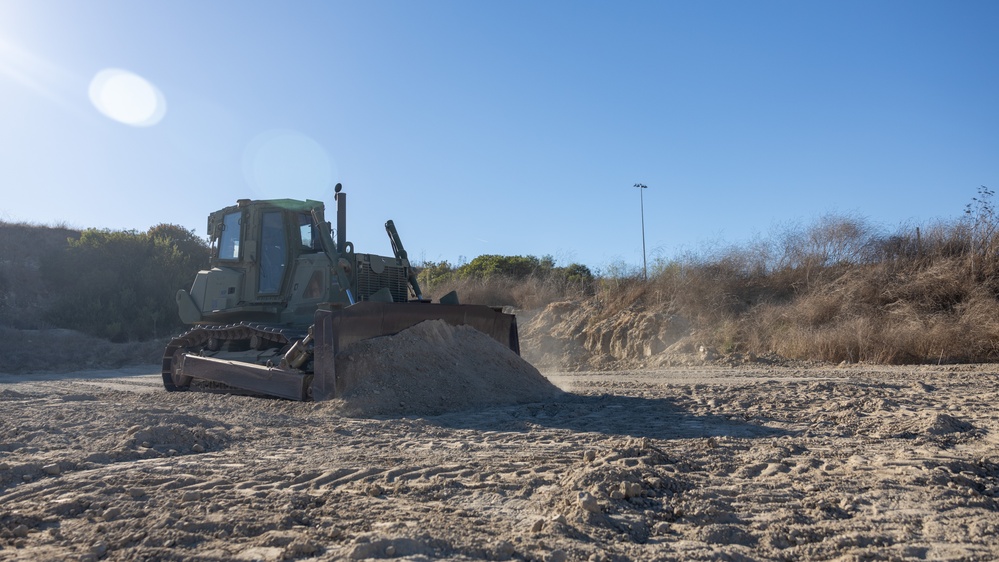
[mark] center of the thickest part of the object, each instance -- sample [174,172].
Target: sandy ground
[696,463]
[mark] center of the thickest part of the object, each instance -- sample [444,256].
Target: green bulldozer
[282,297]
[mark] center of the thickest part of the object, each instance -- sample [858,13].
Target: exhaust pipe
[341,218]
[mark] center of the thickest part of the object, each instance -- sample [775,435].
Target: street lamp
[641,199]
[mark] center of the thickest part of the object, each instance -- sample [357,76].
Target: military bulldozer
[282,297]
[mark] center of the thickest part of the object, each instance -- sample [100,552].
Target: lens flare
[127,98]
[280,163]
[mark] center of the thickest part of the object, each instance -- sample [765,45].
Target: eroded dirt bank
[695,463]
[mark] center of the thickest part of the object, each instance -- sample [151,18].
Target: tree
[490,265]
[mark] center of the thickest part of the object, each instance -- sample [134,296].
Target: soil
[589,334]
[433,368]
[746,462]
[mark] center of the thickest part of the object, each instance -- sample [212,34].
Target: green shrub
[516,281]
[120,285]
[517,267]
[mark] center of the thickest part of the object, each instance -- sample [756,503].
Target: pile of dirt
[433,368]
[631,488]
[943,424]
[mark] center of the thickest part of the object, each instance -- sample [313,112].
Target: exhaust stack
[341,218]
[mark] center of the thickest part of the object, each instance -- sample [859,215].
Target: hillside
[24,295]
[66,295]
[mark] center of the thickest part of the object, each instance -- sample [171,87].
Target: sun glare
[127,98]
[277,161]
[30,71]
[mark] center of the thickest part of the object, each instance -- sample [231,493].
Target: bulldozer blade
[335,329]
[246,376]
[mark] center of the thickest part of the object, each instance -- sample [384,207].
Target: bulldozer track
[246,335]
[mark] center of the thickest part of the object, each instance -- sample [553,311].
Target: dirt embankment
[574,335]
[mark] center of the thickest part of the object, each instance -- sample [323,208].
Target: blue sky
[514,127]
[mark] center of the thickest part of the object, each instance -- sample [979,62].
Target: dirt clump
[433,368]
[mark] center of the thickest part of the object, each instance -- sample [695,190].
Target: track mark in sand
[337,478]
[319,480]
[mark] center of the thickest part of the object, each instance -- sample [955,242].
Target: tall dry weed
[841,290]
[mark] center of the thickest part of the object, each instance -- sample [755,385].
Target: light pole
[641,199]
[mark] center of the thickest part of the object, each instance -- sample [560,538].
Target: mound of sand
[943,424]
[433,368]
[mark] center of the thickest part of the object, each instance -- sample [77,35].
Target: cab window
[309,234]
[273,252]
[229,240]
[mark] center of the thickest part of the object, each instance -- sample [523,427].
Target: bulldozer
[285,293]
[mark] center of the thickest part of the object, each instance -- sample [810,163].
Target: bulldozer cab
[263,238]
[268,264]
[276,261]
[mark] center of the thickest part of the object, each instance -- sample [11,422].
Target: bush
[516,267]
[24,296]
[120,285]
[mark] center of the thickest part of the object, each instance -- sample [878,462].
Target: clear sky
[504,127]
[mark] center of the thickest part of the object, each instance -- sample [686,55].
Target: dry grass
[932,311]
[935,305]
[830,292]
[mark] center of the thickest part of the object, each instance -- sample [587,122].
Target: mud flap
[337,328]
